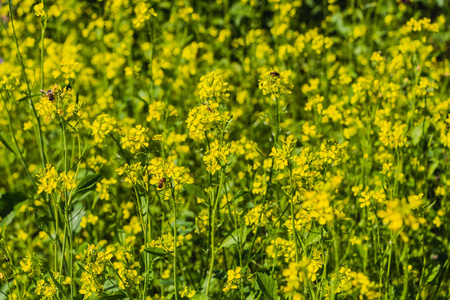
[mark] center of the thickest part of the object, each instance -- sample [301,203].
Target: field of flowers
[228,149]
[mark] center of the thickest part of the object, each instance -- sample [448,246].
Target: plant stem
[175,281]
[39,137]
[213,219]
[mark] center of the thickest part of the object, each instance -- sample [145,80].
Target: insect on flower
[161,182]
[275,74]
[209,109]
[49,94]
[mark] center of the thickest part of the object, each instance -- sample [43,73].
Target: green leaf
[87,183]
[27,97]
[41,224]
[196,191]
[267,285]
[200,297]
[431,272]
[239,235]
[156,251]
[315,236]
[9,200]
[10,217]
[416,134]
[240,194]
[432,168]
[6,144]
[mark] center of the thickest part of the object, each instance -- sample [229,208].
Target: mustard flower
[155,111]
[46,288]
[275,83]
[143,13]
[212,85]
[392,136]
[102,126]
[103,187]
[136,139]
[48,179]
[187,292]
[233,279]
[39,9]
[216,156]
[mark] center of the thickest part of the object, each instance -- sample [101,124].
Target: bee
[274,73]
[209,109]
[49,94]
[161,182]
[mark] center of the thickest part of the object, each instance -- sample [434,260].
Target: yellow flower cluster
[136,139]
[58,101]
[155,111]
[420,25]
[166,242]
[127,269]
[94,274]
[203,118]
[103,187]
[258,216]
[275,83]
[233,279]
[50,180]
[297,274]
[143,14]
[212,87]
[400,212]
[216,156]
[187,292]
[102,126]
[348,280]
[280,247]
[282,155]
[392,136]
[46,289]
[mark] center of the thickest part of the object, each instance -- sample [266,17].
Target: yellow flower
[39,9]
[136,139]
[275,83]
[48,179]
[187,292]
[102,126]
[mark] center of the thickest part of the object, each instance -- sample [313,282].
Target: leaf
[196,191]
[315,236]
[240,194]
[87,183]
[416,134]
[431,272]
[4,142]
[41,224]
[10,217]
[200,297]
[26,97]
[239,235]
[432,168]
[267,285]
[9,200]
[156,251]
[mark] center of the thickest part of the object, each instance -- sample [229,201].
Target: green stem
[22,160]
[43,27]
[213,219]
[389,266]
[175,252]
[39,137]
